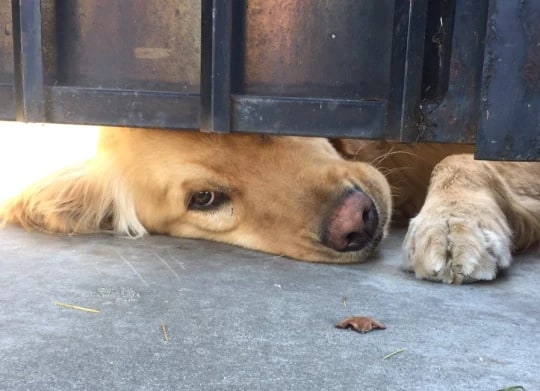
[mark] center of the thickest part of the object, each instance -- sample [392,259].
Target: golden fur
[278,194]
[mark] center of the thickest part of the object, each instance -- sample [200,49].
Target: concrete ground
[242,320]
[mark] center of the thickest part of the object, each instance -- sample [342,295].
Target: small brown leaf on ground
[360,323]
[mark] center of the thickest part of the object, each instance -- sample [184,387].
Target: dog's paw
[456,245]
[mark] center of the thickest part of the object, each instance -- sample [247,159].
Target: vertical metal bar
[412,90]
[216,28]
[30,96]
[397,77]
[510,100]
[454,118]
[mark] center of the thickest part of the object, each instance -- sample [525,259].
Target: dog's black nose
[352,224]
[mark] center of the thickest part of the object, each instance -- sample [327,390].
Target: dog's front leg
[474,215]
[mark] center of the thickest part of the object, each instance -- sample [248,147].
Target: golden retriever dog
[311,199]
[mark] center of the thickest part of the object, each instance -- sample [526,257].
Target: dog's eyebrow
[219,187]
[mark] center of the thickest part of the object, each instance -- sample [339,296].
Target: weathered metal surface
[328,117]
[409,108]
[124,63]
[305,48]
[7,89]
[438,48]
[6,43]
[7,102]
[28,61]
[216,41]
[510,117]
[151,45]
[351,55]
[451,114]
[123,108]
[405,70]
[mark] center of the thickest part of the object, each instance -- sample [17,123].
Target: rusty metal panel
[401,70]
[510,116]
[7,80]
[453,72]
[6,43]
[28,61]
[151,45]
[326,68]
[305,48]
[148,50]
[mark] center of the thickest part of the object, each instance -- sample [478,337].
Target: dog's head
[283,195]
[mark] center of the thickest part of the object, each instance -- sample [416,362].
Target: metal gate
[465,71]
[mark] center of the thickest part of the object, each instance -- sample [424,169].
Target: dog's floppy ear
[85,198]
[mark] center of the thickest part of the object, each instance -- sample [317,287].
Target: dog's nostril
[355,241]
[366,216]
[371,221]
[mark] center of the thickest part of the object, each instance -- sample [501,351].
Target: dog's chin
[348,257]
[351,257]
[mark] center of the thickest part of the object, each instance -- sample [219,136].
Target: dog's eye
[206,199]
